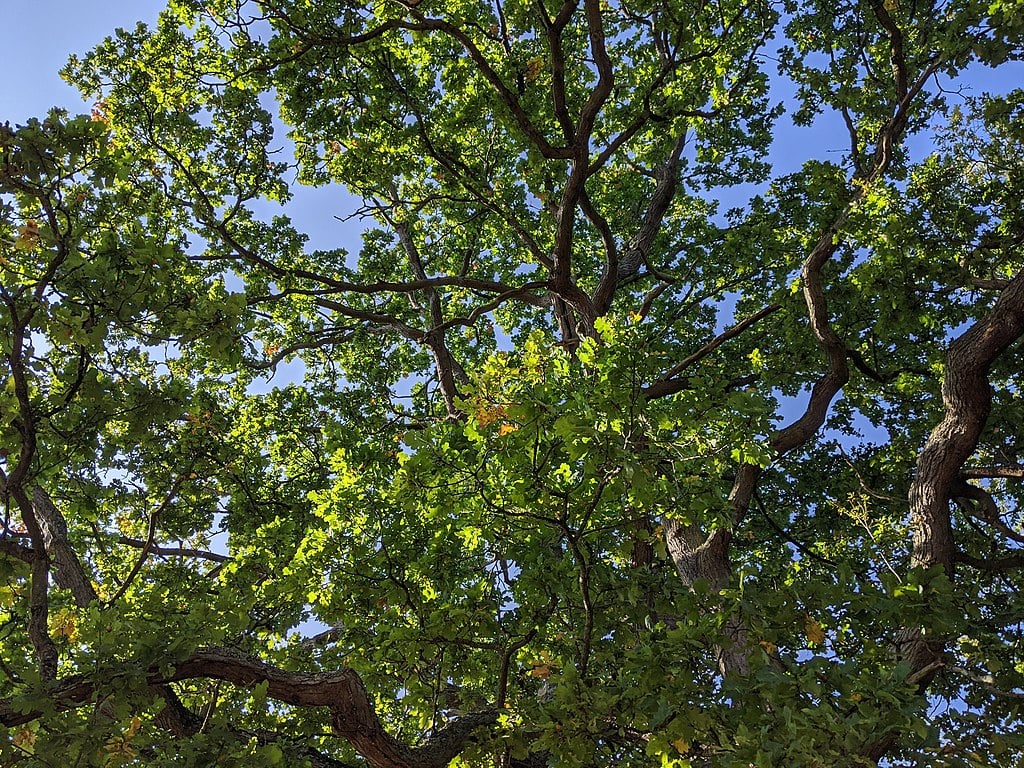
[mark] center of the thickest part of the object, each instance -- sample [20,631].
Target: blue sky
[38,38]
[41,35]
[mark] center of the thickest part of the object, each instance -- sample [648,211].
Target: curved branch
[341,691]
[967,397]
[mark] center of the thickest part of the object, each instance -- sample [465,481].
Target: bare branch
[669,382]
[155,549]
[1014,472]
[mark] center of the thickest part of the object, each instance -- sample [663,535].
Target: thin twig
[147,546]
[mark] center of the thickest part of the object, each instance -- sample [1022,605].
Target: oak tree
[607,442]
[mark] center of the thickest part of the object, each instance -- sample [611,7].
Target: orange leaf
[133,726]
[813,630]
[28,236]
[542,671]
[24,739]
[488,414]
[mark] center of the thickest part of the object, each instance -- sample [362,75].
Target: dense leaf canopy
[607,444]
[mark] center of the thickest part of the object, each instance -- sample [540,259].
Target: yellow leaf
[24,739]
[533,68]
[28,236]
[64,625]
[815,634]
[488,414]
[682,746]
[544,665]
[769,646]
[506,429]
[891,5]
[119,748]
[543,671]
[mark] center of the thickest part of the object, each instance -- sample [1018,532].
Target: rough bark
[69,572]
[353,715]
[341,691]
[967,399]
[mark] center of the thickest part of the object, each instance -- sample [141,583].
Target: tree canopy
[608,444]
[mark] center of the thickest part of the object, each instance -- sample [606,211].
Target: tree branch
[341,691]
[155,549]
[669,383]
[18,551]
[70,573]
[1009,472]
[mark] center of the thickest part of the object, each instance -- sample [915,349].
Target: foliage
[609,444]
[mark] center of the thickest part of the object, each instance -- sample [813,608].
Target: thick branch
[18,551]
[69,574]
[39,591]
[341,691]
[967,398]
[636,253]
